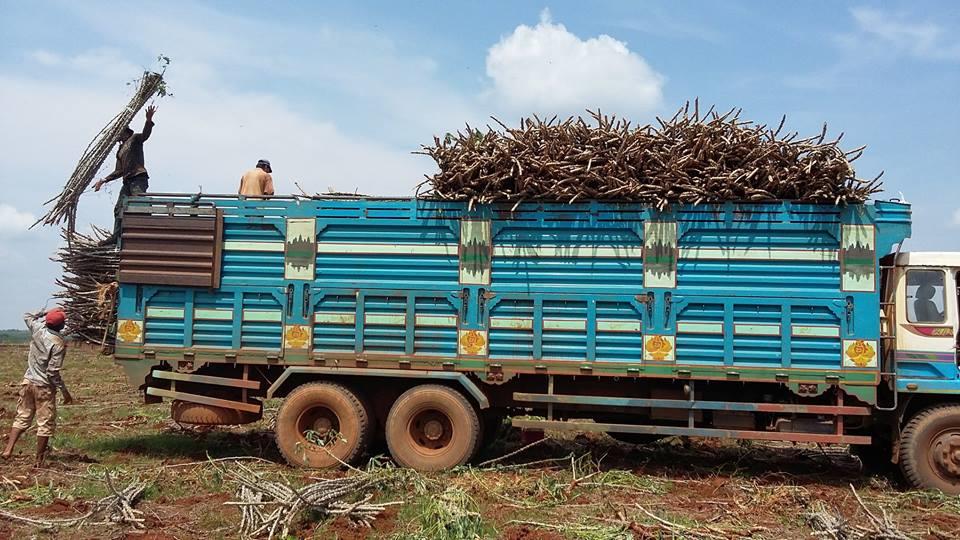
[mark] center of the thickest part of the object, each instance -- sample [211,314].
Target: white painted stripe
[700,328]
[335,317]
[449,250]
[436,320]
[385,319]
[568,251]
[564,324]
[616,325]
[236,245]
[164,313]
[262,315]
[758,254]
[815,331]
[201,314]
[509,323]
[756,329]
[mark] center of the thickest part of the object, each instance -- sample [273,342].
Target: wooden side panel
[171,250]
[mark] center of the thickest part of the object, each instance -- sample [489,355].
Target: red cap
[55,317]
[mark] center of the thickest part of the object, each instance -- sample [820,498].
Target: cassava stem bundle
[64,209]
[690,158]
[88,285]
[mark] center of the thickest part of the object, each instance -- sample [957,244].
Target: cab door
[926,322]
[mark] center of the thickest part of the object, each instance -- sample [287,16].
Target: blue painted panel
[552,292]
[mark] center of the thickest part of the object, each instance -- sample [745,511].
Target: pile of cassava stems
[88,285]
[691,158]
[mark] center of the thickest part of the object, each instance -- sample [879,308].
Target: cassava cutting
[690,158]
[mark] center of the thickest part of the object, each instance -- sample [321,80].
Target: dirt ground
[570,486]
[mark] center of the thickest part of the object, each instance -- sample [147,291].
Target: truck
[425,324]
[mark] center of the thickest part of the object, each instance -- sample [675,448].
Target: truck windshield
[925,296]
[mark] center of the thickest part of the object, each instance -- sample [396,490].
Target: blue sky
[337,94]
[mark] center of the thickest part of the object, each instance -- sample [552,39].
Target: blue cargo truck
[426,323]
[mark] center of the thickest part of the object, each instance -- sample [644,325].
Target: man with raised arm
[130,167]
[38,389]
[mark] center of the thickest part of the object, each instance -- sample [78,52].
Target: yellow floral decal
[658,348]
[472,342]
[861,353]
[129,331]
[297,337]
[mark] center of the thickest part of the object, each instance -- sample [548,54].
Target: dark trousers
[135,185]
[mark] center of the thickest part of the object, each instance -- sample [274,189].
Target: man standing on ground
[38,390]
[130,166]
[257,182]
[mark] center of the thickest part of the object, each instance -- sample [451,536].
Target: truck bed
[780,292]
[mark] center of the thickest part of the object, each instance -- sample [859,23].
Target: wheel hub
[318,422]
[322,425]
[947,453]
[433,430]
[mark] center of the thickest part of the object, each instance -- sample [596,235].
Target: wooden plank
[204,400]
[206,379]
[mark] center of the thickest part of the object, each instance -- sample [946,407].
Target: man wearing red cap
[38,390]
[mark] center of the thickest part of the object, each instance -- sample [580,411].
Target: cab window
[926,296]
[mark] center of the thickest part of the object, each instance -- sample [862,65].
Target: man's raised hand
[150,110]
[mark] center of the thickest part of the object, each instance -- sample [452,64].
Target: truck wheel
[322,425]
[431,428]
[185,412]
[930,449]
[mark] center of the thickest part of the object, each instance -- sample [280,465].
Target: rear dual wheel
[323,425]
[431,428]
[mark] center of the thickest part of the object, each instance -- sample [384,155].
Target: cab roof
[929,258]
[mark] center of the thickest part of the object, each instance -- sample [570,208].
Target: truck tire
[431,428]
[185,412]
[930,449]
[326,411]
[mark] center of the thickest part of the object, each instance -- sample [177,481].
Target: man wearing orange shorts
[38,390]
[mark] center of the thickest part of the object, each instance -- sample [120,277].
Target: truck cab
[921,300]
[920,326]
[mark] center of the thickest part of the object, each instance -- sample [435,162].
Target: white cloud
[13,221]
[44,57]
[354,104]
[546,68]
[920,39]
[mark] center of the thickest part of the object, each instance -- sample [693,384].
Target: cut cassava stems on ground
[269,508]
[690,158]
[116,508]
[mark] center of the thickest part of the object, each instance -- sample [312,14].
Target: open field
[574,486]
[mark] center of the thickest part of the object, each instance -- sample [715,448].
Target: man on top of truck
[130,166]
[257,182]
[38,390]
